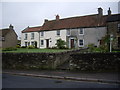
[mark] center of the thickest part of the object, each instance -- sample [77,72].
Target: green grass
[25,50]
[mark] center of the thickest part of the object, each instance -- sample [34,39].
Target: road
[15,81]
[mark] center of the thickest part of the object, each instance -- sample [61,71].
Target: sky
[32,13]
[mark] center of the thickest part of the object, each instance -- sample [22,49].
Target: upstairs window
[68,32]
[25,37]
[42,33]
[32,35]
[118,28]
[58,32]
[81,31]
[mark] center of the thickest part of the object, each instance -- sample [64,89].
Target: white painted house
[76,31]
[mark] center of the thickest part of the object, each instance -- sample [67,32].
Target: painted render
[52,37]
[36,38]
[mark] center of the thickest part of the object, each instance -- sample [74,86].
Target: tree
[60,43]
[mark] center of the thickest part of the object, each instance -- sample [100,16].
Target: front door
[72,43]
[47,43]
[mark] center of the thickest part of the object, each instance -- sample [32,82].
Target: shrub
[10,49]
[18,46]
[30,47]
[60,44]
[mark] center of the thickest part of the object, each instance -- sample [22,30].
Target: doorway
[47,43]
[72,41]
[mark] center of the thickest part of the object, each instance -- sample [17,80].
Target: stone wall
[95,61]
[76,61]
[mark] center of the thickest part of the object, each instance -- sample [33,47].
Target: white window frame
[69,32]
[58,32]
[41,42]
[80,31]
[79,43]
[32,35]
[42,33]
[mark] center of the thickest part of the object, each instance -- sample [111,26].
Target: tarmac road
[16,81]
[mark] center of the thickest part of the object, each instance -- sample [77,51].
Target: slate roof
[113,18]
[4,31]
[32,29]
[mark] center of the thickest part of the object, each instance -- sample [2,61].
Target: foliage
[18,46]
[30,47]
[61,44]
[102,48]
[9,49]
[26,50]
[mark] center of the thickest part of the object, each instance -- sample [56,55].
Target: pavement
[106,77]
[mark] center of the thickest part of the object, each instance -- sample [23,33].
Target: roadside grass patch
[26,50]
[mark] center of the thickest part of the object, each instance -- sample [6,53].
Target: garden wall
[95,61]
[77,61]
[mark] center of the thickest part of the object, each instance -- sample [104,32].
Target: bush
[18,46]
[60,44]
[10,49]
[30,47]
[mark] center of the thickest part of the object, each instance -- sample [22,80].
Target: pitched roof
[32,29]
[113,18]
[75,22]
[4,31]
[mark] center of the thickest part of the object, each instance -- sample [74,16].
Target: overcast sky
[23,14]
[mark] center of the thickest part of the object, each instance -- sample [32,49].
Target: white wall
[52,36]
[36,38]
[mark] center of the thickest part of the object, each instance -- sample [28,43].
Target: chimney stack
[45,20]
[109,12]
[57,17]
[100,12]
[11,27]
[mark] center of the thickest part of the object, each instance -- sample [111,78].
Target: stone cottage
[8,37]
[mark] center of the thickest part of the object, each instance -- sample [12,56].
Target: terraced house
[76,31]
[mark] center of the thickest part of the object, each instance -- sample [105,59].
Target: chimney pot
[45,20]
[57,17]
[109,11]
[11,27]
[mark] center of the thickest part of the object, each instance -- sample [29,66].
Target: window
[25,37]
[118,28]
[81,31]
[42,42]
[42,33]
[2,38]
[32,35]
[58,32]
[68,32]
[81,42]
[26,44]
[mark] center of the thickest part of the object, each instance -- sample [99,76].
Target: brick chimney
[100,12]
[57,17]
[109,12]
[11,27]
